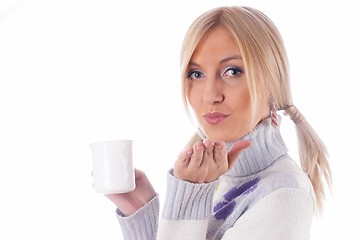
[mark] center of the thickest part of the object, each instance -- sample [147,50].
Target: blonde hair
[261,47]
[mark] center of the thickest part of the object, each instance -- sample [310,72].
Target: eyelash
[237,70]
[191,77]
[237,73]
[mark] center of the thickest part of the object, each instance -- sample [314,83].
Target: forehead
[217,43]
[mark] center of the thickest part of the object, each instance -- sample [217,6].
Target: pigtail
[313,155]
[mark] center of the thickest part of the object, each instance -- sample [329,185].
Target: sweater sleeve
[187,209]
[142,225]
[284,214]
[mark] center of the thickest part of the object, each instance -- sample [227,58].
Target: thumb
[235,150]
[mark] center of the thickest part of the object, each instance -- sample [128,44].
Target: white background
[77,71]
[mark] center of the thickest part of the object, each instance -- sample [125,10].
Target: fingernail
[199,146]
[189,151]
[208,143]
[218,144]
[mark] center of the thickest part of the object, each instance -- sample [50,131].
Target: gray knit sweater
[264,196]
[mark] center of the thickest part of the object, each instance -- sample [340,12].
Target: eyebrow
[235,57]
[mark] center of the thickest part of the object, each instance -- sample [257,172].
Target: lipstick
[214,117]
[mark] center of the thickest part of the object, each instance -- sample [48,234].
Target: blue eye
[194,74]
[233,72]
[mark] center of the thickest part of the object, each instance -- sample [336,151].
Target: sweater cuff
[186,200]
[142,225]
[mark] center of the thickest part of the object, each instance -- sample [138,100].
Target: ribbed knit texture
[182,197]
[267,147]
[142,225]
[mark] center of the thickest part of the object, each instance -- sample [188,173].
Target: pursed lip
[215,117]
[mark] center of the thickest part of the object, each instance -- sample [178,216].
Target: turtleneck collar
[267,146]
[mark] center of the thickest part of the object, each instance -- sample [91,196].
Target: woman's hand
[129,203]
[208,160]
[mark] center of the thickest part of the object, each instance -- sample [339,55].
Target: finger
[197,155]
[235,150]
[220,151]
[208,152]
[185,156]
[139,173]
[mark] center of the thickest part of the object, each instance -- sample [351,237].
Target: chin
[223,136]
[217,136]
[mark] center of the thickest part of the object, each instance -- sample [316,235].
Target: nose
[213,93]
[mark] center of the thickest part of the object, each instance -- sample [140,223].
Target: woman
[235,180]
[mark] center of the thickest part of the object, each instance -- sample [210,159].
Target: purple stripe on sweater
[225,211]
[242,189]
[224,208]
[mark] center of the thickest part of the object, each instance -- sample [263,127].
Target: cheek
[241,99]
[242,113]
[194,105]
[194,98]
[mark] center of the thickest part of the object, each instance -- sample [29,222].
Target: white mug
[113,170]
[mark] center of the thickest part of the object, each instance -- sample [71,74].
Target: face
[218,91]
